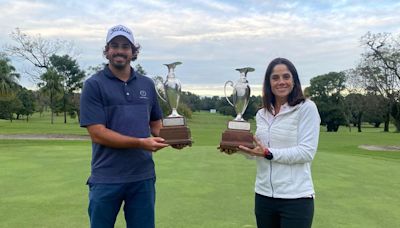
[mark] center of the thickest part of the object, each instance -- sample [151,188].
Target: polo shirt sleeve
[156,113]
[92,108]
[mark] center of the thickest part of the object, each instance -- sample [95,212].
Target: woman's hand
[257,151]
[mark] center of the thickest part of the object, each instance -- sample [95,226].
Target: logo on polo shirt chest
[143,94]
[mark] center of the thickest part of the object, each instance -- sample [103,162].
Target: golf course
[43,180]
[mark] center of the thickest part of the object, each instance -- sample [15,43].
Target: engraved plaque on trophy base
[173,121]
[174,134]
[238,133]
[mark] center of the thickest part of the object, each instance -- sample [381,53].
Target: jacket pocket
[282,176]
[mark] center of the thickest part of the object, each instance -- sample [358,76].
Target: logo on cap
[119,30]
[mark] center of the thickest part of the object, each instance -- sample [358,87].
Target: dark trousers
[105,201]
[283,213]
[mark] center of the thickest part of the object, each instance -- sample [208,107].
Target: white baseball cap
[119,30]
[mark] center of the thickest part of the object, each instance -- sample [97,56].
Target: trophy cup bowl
[238,132]
[174,130]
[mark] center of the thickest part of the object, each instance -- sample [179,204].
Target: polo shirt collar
[109,74]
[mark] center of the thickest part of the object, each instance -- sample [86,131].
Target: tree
[221,105]
[325,90]
[51,86]
[9,103]
[76,106]
[91,70]
[9,107]
[36,50]
[254,105]
[42,102]
[71,79]
[212,103]
[396,114]
[355,106]
[27,99]
[376,80]
[140,69]
[8,78]
[380,70]
[193,101]
[375,104]
[385,48]
[306,92]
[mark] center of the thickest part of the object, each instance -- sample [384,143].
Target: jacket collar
[285,108]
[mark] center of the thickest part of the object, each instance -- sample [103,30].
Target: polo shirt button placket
[127,93]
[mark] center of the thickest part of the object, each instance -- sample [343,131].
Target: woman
[286,142]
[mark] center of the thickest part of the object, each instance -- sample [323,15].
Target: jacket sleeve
[307,138]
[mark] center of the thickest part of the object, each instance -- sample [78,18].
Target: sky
[211,38]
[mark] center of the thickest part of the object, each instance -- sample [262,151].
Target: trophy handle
[158,81]
[231,84]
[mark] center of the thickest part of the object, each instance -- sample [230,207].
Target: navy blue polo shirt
[124,107]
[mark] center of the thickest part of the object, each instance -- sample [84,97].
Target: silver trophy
[238,132]
[170,92]
[174,129]
[241,97]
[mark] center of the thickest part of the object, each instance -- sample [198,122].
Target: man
[119,108]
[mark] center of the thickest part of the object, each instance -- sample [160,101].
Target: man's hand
[153,143]
[257,151]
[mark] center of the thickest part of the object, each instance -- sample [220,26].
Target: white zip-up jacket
[292,137]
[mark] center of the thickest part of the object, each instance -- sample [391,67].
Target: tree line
[58,87]
[370,92]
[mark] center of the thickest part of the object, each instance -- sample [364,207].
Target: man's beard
[119,65]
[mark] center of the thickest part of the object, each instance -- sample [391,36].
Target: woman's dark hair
[295,96]
[135,50]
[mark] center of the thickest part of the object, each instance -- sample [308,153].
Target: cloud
[212,37]
[216,5]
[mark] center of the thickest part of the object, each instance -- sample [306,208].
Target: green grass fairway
[41,125]
[42,183]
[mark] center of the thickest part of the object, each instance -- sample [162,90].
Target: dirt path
[45,137]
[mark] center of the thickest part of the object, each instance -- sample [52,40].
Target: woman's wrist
[267,154]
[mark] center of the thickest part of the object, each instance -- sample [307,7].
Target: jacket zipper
[269,134]
[270,178]
[270,162]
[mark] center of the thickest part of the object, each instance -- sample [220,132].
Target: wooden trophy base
[232,139]
[176,135]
